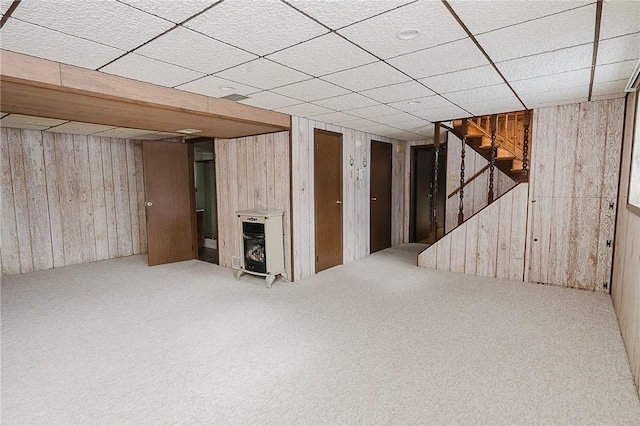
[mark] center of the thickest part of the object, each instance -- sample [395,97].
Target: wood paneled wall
[69,199]
[252,173]
[490,244]
[356,145]
[573,182]
[569,224]
[475,194]
[625,287]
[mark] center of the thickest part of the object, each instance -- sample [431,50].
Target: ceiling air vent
[235,97]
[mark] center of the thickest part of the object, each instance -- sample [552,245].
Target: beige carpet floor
[376,341]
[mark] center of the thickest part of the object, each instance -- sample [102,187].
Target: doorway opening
[422,227]
[206,212]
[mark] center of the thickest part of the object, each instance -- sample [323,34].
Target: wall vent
[235,97]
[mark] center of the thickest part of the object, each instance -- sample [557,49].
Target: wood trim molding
[25,73]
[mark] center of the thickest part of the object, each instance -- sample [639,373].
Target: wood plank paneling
[39,222]
[574,174]
[485,245]
[85,199]
[121,193]
[10,249]
[20,199]
[504,235]
[458,248]
[97,197]
[53,199]
[109,196]
[66,199]
[625,288]
[356,202]
[251,173]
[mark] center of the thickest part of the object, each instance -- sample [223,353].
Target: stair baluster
[525,147]
[465,126]
[494,150]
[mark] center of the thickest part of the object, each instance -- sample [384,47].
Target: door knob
[338,202]
[374,198]
[149,203]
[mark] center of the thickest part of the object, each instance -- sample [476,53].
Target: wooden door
[380,196]
[422,166]
[328,199]
[168,185]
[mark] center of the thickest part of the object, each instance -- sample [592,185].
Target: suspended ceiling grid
[342,61]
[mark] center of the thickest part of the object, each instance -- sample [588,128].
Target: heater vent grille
[235,97]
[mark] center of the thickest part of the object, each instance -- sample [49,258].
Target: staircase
[509,140]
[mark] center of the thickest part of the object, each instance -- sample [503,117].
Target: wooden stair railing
[511,140]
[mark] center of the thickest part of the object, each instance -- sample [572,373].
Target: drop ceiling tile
[570,59]
[215,86]
[368,76]
[552,82]
[566,29]
[368,126]
[495,106]
[107,21]
[556,97]
[335,117]
[268,100]
[479,94]
[378,35]
[414,106]
[175,11]
[141,68]
[462,80]
[195,51]
[403,120]
[610,88]
[29,122]
[339,13]
[5,5]
[615,71]
[263,73]
[444,113]
[346,102]
[619,49]
[479,18]
[33,40]
[442,59]
[404,136]
[123,133]
[398,92]
[619,17]
[77,128]
[323,55]
[311,90]
[374,111]
[305,110]
[260,27]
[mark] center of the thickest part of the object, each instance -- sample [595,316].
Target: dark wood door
[328,198]
[380,195]
[168,185]
[421,221]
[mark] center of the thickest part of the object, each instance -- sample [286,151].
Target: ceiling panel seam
[475,41]
[159,35]
[10,11]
